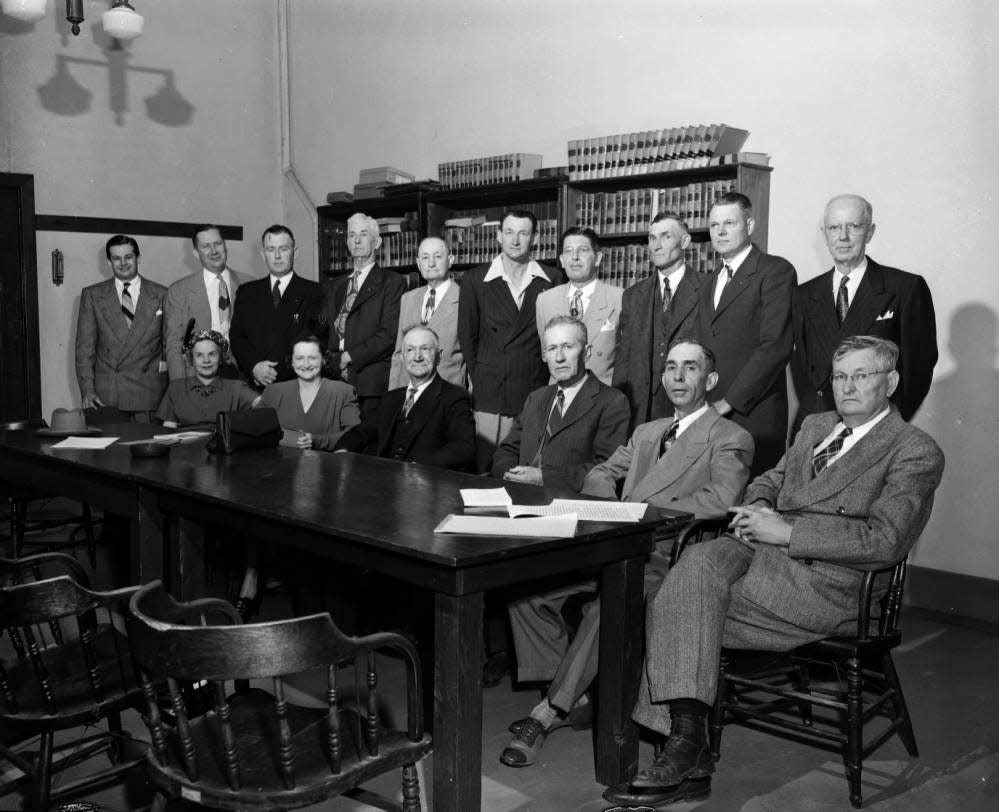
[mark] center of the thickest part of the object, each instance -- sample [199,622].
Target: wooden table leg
[457,726]
[622,606]
[186,551]
[146,539]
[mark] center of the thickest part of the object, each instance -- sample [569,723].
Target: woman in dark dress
[195,400]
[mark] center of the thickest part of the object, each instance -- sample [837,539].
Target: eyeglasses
[850,228]
[858,378]
[582,252]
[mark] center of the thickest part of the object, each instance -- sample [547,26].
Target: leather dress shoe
[522,751]
[693,789]
[579,718]
[684,756]
[248,607]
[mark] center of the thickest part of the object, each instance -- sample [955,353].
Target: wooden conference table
[380,515]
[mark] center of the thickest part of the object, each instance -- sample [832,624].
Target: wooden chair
[18,499]
[696,531]
[71,667]
[856,708]
[256,750]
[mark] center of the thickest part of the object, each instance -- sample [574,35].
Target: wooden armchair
[859,694]
[71,667]
[254,749]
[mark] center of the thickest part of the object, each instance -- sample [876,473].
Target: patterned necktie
[821,460]
[556,414]
[341,320]
[428,311]
[842,300]
[668,438]
[576,306]
[410,400]
[667,295]
[276,294]
[127,306]
[224,312]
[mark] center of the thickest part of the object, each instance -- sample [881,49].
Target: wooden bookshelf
[558,204]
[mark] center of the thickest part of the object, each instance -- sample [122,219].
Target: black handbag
[245,429]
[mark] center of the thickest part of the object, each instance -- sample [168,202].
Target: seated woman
[319,409]
[196,400]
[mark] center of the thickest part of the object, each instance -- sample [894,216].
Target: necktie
[276,294]
[723,280]
[842,300]
[668,438]
[428,311]
[667,295]
[348,303]
[555,415]
[410,400]
[224,306]
[127,306]
[821,460]
[576,306]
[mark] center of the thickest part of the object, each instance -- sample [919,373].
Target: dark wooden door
[20,376]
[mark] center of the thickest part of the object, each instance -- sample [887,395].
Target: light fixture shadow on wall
[167,107]
[62,94]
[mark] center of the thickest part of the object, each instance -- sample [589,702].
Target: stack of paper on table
[485,497]
[85,442]
[544,527]
[588,511]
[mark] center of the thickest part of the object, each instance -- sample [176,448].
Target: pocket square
[888,314]
[607,326]
[158,313]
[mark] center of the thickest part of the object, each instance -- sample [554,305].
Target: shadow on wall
[962,414]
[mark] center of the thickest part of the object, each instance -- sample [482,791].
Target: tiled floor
[948,669]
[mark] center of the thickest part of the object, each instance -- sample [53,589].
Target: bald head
[848,226]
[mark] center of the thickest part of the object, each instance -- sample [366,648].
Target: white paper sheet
[86,442]
[485,497]
[545,527]
[585,510]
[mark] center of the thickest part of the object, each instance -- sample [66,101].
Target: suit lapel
[740,281]
[447,305]
[580,405]
[681,456]
[145,309]
[389,412]
[372,284]
[424,407]
[111,306]
[291,302]
[684,300]
[822,317]
[870,302]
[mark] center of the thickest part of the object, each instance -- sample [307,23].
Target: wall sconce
[27,11]
[122,21]
[74,15]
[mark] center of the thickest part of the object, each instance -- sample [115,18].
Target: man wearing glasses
[859,296]
[852,494]
[585,297]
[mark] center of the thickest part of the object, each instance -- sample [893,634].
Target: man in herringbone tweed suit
[852,494]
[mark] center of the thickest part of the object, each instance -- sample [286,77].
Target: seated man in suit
[860,296]
[568,427]
[362,314]
[695,461]
[268,313]
[852,494]
[435,305]
[585,297]
[119,337]
[203,298]
[428,421]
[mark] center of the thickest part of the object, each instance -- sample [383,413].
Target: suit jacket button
[808,561]
[820,394]
[841,510]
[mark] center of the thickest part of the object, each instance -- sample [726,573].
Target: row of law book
[639,153]
[624,265]
[398,250]
[630,211]
[477,243]
[487,171]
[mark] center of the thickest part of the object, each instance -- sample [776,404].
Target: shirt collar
[690,419]
[134,284]
[586,290]
[863,428]
[854,276]
[739,258]
[675,276]
[498,271]
[439,291]
[209,276]
[421,387]
[283,281]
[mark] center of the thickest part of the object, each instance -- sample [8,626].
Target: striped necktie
[127,305]
[410,400]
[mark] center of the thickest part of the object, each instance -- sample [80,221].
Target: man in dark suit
[362,314]
[566,428]
[859,296]
[205,297]
[428,421]
[654,313]
[119,337]
[852,494]
[694,461]
[745,320]
[497,332]
[269,312]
